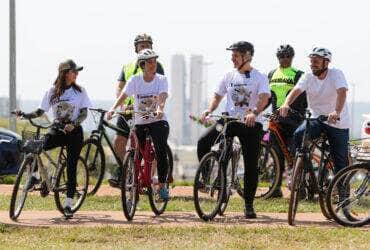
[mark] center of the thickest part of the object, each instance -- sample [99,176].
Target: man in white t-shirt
[247,92]
[326,95]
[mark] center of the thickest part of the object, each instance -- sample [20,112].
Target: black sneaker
[277,193]
[68,212]
[31,182]
[249,212]
[113,183]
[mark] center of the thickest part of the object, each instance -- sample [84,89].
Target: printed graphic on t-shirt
[240,95]
[147,103]
[64,111]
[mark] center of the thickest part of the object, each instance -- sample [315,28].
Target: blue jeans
[338,141]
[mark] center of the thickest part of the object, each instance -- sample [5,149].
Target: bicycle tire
[60,187]
[151,193]
[203,167]
[323,175]
[129,170]
[345,173]
[297,180]
[224,204]
[15,211]
[272,152]
[96,169]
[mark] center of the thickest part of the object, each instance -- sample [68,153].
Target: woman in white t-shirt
[150,91]
[69,103]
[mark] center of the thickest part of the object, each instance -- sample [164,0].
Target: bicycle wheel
[238,162]
[325,175]
[170,164]
[269,171]
[208,187]
[19,193]
[61,180]
[298,174]
[129,186]
[348,196]
[158,206]
[224,204]
[94,156]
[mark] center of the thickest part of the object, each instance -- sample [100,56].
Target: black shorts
[122,124]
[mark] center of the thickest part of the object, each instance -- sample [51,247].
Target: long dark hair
[60,86]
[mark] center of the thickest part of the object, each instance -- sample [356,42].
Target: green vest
[282,81]
[131,70]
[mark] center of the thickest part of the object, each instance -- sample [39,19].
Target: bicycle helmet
[143,38]
[285,49]
[321,52]
[243,47]
[146,54]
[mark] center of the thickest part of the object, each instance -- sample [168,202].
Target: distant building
[178,99]
[196,93]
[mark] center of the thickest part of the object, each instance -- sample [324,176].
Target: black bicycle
[348,197]
[93,151]
[214,184]
[316,179]
[53,174]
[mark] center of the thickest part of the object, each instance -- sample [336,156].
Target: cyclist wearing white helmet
[326,90]
[150,91]
[247,92]
[142,41]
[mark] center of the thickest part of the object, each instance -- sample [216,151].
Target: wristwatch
[255,112]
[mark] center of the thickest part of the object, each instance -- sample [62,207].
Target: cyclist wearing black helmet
[247,94]
[142,41]
[282,80]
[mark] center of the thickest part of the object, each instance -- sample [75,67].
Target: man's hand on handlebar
[110,114]
[333,117]
[204,115]
[283,110]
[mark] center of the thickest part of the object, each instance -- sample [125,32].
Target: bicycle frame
[101,133]
[143,172]
[274,129]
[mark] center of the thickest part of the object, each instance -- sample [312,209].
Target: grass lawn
[177,204]
[201,237]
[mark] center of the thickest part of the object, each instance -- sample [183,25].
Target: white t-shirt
[67,107]
[322,95]
[146,95]
[242,91]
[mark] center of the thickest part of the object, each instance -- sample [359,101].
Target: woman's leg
[74,141]
[159,132]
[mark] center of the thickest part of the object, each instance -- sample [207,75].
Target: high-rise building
[196,93]
[178,99]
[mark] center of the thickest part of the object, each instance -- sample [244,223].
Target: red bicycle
[138,176]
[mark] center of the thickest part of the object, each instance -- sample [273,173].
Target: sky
[99,35]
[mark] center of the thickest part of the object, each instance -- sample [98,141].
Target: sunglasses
[285,57]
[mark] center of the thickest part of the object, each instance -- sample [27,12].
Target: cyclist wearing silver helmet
[142,41]
[326,90]
[150,91]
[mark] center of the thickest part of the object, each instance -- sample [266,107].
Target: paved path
[183,219]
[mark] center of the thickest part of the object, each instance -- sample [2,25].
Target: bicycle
[137,177]
[210,178]
[93,151]
[303,166]
[348,197]
[55,182]
[276,145]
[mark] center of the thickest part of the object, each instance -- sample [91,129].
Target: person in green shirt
[142,41]
[282,80]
